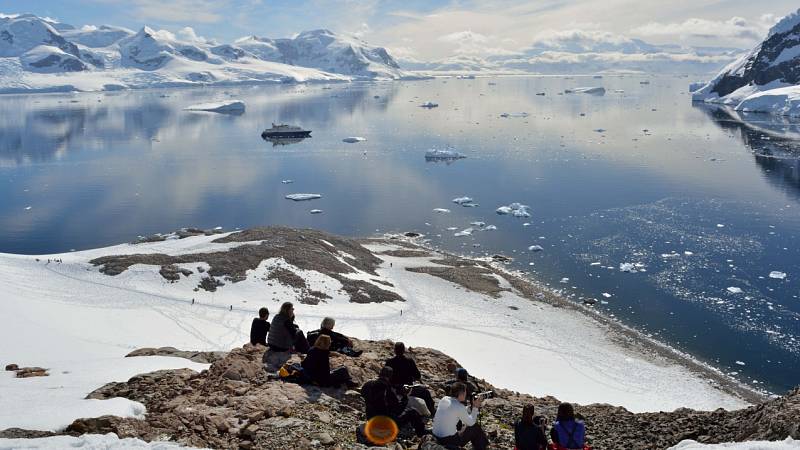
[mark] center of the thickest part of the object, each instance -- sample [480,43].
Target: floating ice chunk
[442,155]
[606,295]
[670,255]
[441,210]
[688,253]
[777,275]
[526,224]
[535,248]
[595,264]
[629,267]
[354,139]
[719,225]
[28,208]
[451,228]
[316,211]
[514,209]
[594,90]
[465,201]
[303,197]
[735,290]
[510,115]
[490,227]
[227,107]
[741,363]
[478,224]
[564,280]
[287,181]
[464,232]
[429,105]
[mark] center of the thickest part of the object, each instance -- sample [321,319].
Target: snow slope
[38,54]
[80,323]
[766,79]
[788,444]
[86,442]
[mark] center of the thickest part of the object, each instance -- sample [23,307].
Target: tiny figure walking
[231,307]
[193,301]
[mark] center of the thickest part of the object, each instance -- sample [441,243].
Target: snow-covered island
[766,79]
[42,55]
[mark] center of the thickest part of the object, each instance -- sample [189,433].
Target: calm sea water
[697,198]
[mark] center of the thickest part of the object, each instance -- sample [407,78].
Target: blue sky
[440,28]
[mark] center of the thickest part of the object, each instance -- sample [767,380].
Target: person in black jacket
[381,399]
[405,373]
[284,335]
[529,432]
[317,366]
[339,342]
[260,328]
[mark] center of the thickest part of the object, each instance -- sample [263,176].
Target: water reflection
[276,141]
[774,141]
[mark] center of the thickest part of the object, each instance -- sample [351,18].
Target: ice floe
[734,290]
[465,201]
[464,232]
[441,210]
[777,275]
[303,197]
[535,248]
[514,209]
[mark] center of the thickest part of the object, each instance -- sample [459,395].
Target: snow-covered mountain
[40,54]
[589,52]
[765,79]
[325,50]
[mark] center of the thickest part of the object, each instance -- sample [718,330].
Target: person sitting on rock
[339,342]
[317,366]
[260,328]
[567,433]
[284,335]
[405,373]
[529,432]
[450,412]
[463,377]
[381,399]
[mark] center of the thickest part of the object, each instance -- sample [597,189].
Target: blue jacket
[569,434]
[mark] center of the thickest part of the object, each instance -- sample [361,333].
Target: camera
[482,395]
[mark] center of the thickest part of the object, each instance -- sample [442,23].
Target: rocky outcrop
[198,357]
[305,249]
[237,404]
[27,372]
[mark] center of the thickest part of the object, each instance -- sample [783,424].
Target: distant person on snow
[381,399]
[317,366]
[260,328]
[529,432]
[284,335]
[405,373]
[450,412]
[567,432]
[339,342]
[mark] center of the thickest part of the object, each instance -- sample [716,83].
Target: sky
[437,29]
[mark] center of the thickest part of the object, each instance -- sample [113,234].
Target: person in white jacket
[450,412]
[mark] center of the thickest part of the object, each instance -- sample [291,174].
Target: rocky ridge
[237,404]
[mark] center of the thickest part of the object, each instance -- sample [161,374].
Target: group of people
[398,394]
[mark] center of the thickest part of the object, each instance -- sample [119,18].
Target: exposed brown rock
[28,372]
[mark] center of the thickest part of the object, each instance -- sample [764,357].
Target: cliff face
[234,404]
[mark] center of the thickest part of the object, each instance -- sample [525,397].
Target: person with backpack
[567,433]
[450,412]
[381,399]
[463,377]
[317,366]
[529,432]
[284,335]
[260,328]
[339,342]
[405,373]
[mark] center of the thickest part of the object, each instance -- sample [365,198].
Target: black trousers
[425,395]
[412,417]
[473,434]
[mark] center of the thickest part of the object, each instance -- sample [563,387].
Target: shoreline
[622,334]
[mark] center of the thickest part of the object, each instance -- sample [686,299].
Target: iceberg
[595,90]
[354,139]
[316,211]
[303,197]
[441,210]
[777,275]
[465,201]
[464,232]
[442,155]
[535,248]
[227,107]
[514,209]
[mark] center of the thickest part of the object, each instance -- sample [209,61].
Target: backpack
[293,373]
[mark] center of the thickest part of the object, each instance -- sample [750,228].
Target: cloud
[185,11]
[188,34]
[737,28]
[464,37]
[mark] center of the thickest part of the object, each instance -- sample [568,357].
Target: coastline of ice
[226,107]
